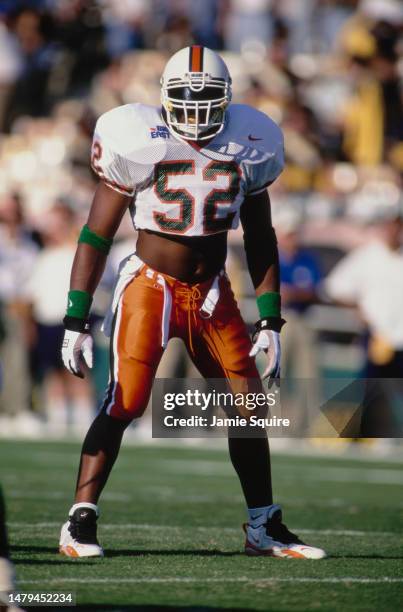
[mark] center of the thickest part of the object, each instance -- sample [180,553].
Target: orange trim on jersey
[112,184]
[195,145]
[196,58]
[95,157]
[115,185]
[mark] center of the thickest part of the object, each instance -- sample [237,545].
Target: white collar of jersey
[248,134]
[234,140]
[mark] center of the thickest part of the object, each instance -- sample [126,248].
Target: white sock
[257,516]
[83,505]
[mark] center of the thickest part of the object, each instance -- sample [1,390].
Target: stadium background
[330,73]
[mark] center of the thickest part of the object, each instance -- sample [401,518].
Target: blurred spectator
[302,153]
[373,123]
[30,93]
[299,19]
[299,268]
[314,26]
[176,34]
[124,22]
[67,401]
[17,259]
[370,278]
[10,66]
[206,22]
[385,68]
[248,26]
[80,33]
[300,277]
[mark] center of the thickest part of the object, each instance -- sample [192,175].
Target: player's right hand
[77,345]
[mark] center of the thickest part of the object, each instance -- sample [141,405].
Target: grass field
[171,526]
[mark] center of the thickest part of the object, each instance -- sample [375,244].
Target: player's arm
[107,210]
[263,264]
[260,243]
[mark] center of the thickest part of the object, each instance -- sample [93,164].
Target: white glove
[74,345]
[268,341]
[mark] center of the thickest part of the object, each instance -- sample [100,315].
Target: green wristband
[78,304]
[269,305]
[98,242]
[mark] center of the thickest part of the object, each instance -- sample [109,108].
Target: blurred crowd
[330,72]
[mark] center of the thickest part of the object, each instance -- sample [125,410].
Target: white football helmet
[195,91]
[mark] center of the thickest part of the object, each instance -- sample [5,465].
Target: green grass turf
[171,522]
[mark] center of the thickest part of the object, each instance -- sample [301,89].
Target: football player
[189,172]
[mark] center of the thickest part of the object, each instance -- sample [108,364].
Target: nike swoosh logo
[250,137]
[256,517]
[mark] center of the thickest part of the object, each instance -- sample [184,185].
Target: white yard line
[201,580]
[202,528]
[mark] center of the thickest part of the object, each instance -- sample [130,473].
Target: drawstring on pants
[191,296]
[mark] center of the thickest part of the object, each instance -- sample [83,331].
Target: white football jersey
[178,187]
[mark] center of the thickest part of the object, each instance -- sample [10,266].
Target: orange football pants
[219,346]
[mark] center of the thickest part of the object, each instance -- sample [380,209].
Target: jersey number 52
[212,221]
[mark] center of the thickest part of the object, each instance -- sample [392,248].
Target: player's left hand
[267,339]
[77,344]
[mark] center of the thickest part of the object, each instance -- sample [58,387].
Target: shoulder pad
[128,131]
[251,134]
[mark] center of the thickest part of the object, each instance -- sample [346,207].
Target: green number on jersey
[174,196]
[212,222]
